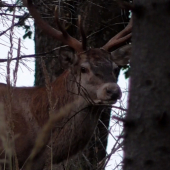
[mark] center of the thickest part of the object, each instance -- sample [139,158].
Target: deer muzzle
[109,93]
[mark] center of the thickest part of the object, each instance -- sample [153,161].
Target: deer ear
[122,55]
[67,57]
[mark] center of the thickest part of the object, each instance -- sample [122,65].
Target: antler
[121,37]
[61,35]
[83,35]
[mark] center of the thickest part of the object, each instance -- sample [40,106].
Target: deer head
[94,69]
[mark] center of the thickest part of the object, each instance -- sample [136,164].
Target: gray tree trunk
[147,124]
[102,20]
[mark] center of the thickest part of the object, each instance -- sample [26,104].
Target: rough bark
[147,124]
[102,20]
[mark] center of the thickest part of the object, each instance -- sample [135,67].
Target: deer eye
[84,70]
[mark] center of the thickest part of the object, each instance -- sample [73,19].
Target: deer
[89,79]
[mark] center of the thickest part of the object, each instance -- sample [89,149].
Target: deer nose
[109,92]
[113,94]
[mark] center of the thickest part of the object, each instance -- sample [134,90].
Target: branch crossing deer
[89,79]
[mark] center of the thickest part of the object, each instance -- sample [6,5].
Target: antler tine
[59,35]
[60,27]
[84,39]
[119,38]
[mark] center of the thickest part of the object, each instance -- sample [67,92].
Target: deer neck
[64,90]
[50,99]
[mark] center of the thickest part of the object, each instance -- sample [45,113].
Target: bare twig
[34,55]
[45,134]
[17,63]
[25,16]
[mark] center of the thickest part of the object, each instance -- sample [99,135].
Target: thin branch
[24,17]
[16,16]
[34,55]
[4,4]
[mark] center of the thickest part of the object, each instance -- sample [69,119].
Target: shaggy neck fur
[62,92]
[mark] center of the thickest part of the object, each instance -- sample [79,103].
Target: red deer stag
[91,76]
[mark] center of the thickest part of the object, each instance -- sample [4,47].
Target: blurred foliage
[22,23]
[21,18]
[126,70]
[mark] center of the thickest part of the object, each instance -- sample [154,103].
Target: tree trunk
[101,20]
[147,124]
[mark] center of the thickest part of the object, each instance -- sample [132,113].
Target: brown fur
[91,79]
[30,108]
